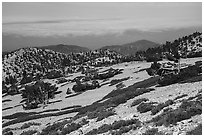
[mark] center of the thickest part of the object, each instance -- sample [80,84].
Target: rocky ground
[65,107]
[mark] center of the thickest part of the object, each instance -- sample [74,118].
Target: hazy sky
[95,24]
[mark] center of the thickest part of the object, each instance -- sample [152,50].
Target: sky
[94,25]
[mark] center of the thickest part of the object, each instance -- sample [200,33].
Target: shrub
[127,94]
[68,91]
[61,80]
[116,81]
[104,115]
[121,130]
[84,122]
[185,111]
[145,107]
[109,73]
[52,129]
[123,123]
[120,85]
[26,79]
[81,87]
[168,79]
[152,58]
[27,125]
[54,74]
[6,130]
[196,131]
[123,126]
[153,131]
[150,71]
[100,113]
[138,101]
[69,128]
[29,132]
[160,106]
[92,132]
[8,133]
[184,74]
[118,99]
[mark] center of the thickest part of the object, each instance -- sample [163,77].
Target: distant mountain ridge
[67,49]
[132,48]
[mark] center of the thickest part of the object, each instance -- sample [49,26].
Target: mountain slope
[131,48]
[37,61]
[67,49]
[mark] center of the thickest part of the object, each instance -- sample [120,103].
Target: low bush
[120,85]
[27,125]
[61,80]
[160,106]
[8,133]
[81,87]
[100,113]
[196,131]
[123,123]
[105,114]
[109,73]
[6,130]
[185,74]
[54,74]
[121,130]
[83,122]
[29,132]
[69,128]
[116,81]
[92,132]
[168,80]
[123,126]
[153,131]
[138,101]
[145,107]
[185,111]
[122,98]
[53,129]
[68,91]
[152,58]
[63,128]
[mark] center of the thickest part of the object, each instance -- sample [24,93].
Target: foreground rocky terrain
[128,103]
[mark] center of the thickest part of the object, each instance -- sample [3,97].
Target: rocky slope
[136,105]
[36,61]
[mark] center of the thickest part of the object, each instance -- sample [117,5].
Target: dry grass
[117,127]
[185,111]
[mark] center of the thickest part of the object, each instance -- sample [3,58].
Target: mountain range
[124,49]
[132,48]
[67,49]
